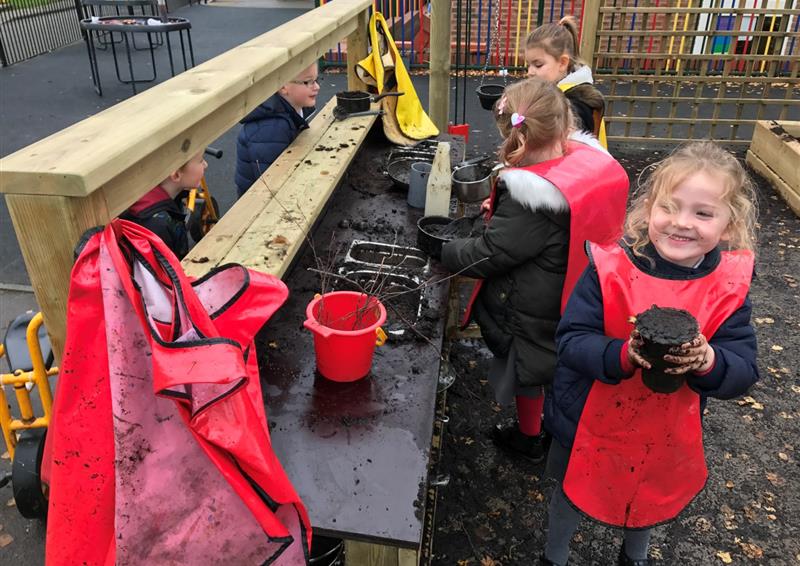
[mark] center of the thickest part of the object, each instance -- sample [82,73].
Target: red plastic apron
[638,459]
[596,188]
[159,448]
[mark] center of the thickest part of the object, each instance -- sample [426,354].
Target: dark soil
[495,506]
[662,329]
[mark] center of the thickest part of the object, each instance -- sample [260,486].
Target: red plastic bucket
[346,330]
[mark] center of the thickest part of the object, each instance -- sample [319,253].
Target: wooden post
[590,20]
[48,228]
[437,199]
[439,91]
[359,553]
[357,43]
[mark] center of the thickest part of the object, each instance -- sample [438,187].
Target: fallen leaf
[472,364]
[775,479]
[764,320]
[771,517]
[751,550]
[5,540]
[776,348]
[279,241]
[702,524]
[489,562]
[796,388]
[655,553]
[6,455]
[725,557]
[11,503]
[729,484]
[273,345]
[783,456]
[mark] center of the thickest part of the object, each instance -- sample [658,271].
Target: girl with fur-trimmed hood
[558,189]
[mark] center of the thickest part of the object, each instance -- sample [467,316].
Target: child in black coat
[159,210]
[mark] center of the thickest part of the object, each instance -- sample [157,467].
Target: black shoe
[625,561]
[508,437]
[543,561]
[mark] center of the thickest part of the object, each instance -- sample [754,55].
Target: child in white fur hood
[558,188]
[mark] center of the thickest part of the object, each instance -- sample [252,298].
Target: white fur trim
[587,138]
[534,192]
[581,75]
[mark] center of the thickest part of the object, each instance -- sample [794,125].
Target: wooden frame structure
[694,69]
[89,173]
[775,155]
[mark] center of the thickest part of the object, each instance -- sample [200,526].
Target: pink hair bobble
[517,120]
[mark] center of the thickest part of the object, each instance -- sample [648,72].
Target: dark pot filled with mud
[661,330]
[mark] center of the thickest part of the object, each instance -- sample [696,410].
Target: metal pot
[428,242]
[472,183]
[359,101]
[399,168]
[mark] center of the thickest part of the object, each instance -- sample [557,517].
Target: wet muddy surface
[358,452]
[494,509]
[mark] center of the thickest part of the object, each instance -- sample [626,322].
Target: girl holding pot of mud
[624,454]
[542,208]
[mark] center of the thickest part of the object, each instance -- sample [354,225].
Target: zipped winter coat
[522,256]
[266,132]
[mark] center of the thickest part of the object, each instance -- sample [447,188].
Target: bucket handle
[381,340]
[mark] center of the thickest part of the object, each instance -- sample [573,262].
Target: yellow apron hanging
[404,120]
[601,130]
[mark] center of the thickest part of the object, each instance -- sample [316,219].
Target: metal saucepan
[472,183]
[399,168]
[359,101]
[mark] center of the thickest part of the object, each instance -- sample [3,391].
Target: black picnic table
[358,453]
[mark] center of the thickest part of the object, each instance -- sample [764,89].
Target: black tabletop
[358,452]
[134,24]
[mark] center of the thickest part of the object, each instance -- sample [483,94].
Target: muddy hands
[696,356]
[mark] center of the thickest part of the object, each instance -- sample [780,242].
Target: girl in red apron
[623,454]
[544,206]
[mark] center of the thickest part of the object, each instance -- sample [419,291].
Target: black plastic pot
[489,94]
[662,329]
[359,101]
[429,242]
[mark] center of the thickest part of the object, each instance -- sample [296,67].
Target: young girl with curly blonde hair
[622,453]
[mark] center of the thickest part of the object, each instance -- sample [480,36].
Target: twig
[469,540]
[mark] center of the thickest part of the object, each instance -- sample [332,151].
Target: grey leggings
[563,519]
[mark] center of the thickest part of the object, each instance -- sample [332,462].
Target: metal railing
[32,27]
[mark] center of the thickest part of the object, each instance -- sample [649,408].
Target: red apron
[159,448]
[638,459]
[596,188]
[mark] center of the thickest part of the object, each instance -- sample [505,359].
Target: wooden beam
[781,153]
[439,91]
[359,553]
[212,249]
[589,22]
[789,194]
[271,241]
[357,49]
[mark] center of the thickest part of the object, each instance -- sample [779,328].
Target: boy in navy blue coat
[273,125]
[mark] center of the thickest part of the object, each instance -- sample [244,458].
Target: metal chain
[493,40]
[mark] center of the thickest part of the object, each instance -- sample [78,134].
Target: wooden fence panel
[688,69]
